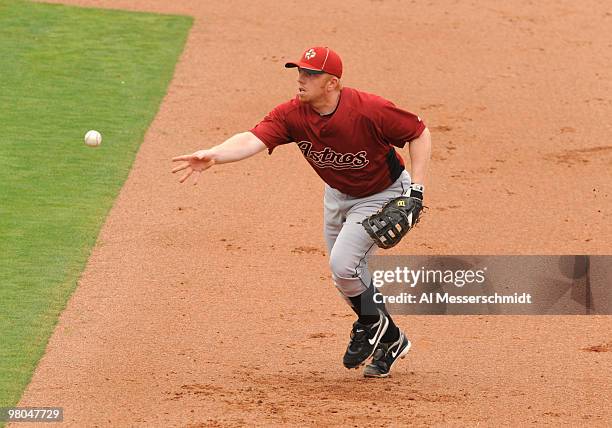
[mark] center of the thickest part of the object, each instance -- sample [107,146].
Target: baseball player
[349,137]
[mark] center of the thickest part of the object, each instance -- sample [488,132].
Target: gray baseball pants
[348,244]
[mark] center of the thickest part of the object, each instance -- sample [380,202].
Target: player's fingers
[182,158]
[180,168]
[186,176]
[195,178]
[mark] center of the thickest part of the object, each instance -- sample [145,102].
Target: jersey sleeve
[398,126]
[273,129]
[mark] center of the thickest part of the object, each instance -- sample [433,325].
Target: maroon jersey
[351,149]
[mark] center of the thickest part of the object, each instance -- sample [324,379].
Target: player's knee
[345,276]
[340,266]
[349,287]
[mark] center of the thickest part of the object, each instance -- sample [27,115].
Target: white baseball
[93,138]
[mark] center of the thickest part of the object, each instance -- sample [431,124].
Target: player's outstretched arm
[235,148]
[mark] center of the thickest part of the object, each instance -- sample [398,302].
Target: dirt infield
[213,306]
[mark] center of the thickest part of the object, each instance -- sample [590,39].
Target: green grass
[63,71]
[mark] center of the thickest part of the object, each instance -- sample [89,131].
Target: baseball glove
[394,220]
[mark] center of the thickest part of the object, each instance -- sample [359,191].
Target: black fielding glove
[395,219]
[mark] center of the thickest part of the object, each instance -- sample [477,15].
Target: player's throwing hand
[196,162]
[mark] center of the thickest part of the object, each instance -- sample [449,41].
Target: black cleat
[386,355]
[364,340]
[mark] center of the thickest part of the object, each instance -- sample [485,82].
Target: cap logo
[310,53]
